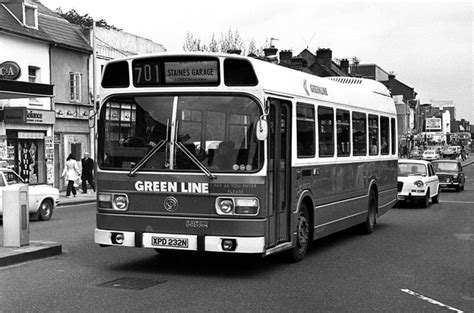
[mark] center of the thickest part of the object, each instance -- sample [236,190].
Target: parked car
[430,155]
[450,174]
[417,182]
[42,198]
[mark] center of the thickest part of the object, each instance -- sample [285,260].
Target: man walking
[87,172]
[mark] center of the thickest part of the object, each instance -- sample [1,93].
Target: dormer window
[30,15]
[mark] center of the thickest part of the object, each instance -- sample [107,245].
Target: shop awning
[13,89]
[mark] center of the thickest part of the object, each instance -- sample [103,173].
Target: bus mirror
[91,118]
[261,130]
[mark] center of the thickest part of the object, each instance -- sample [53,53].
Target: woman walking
[71,172]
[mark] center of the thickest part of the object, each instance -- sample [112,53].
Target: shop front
[26,143]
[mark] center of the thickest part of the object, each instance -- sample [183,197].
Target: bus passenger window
[359,133]
[305,128]
[393,140]
[374,134]
[326,131]
[343,133]
[384,135]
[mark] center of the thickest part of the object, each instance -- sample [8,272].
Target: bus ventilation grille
[346,80]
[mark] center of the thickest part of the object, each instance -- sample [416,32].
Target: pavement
[43,249]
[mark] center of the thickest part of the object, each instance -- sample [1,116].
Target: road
[417,260]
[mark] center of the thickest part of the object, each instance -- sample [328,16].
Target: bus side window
[384,135]
[359,133]
[343,132]
[305,130]
[374,134]
[326,131]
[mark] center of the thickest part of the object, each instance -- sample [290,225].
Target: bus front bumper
[179,241]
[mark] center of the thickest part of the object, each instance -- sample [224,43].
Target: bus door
[279,170]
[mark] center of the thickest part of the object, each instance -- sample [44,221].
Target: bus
[231,154]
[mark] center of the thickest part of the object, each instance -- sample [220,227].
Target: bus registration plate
[169,242]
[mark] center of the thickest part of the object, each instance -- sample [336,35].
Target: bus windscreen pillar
[16,228]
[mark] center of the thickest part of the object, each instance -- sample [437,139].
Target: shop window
[75,86]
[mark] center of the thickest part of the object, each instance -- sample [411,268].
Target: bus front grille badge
[170,204]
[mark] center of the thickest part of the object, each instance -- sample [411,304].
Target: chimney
[391,76]
[285,58]
[344,66]
[297,63]
[234,51]
[270,51]
[324,57]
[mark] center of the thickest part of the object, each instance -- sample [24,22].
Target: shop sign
[40,117]
[14,115]
[9,70]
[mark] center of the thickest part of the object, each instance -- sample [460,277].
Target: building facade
[28,118]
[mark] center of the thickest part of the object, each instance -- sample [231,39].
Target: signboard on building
[433,123]
[10,70]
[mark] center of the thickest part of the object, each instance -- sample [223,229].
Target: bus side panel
[387,186]
[324,189]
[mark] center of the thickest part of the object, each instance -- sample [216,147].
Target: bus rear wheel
[298,252]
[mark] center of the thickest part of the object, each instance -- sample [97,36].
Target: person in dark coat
[87,172]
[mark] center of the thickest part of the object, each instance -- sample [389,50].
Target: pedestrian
[463,153]
[87,172]
[71,173]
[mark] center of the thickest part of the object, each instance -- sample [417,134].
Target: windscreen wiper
[195,160]
[146,158]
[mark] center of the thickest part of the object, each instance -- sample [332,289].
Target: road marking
[460,202]
[432,301]
[464,236]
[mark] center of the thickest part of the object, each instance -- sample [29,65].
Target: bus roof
[279,80]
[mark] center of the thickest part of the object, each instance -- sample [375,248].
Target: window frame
[311,107]
[75,86]
[320,128]
[349,125]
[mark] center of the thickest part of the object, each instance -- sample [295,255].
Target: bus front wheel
[298,252]
[369,225]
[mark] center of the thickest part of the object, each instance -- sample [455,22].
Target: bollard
[16,219]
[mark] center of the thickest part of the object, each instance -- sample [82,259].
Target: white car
[417,182]
[42,198]
[430,155]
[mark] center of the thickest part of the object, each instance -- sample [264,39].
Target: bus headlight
[111,201]
[224,206]
[120,202]
[237,206]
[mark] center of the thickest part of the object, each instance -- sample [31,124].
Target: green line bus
[231,154]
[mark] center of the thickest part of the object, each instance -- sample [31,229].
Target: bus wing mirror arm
[261,131]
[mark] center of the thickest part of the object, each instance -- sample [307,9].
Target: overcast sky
[427,44]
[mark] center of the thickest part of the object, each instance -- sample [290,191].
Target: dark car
[450,174]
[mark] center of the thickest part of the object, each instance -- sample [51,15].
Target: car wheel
[435,199]
[426,201]
[46,210]
[298,252]
[368,226]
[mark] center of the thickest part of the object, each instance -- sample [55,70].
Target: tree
[227,41]
[73,17]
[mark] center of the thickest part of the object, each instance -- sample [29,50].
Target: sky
[428,45]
